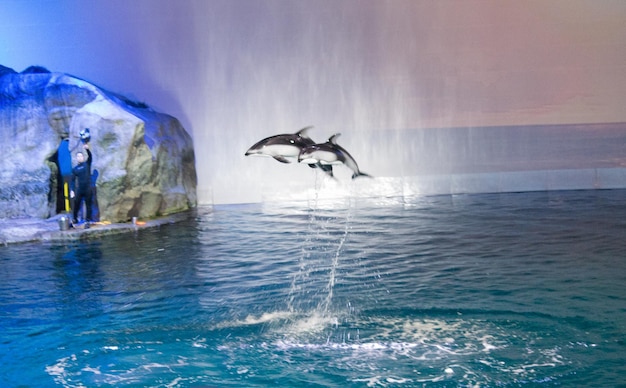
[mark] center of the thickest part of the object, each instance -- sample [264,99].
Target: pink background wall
[384,73]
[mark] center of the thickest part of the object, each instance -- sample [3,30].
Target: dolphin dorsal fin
[333,138]
[303,131]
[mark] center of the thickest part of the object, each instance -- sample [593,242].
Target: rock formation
[144,159]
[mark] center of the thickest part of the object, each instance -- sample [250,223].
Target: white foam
[291,323]
[251,320]
[312,323]
[366,347]
[92,370]
[266,317]
[201,343]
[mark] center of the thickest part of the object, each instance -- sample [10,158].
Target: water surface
[480,290]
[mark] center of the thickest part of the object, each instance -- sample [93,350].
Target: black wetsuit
[81,177]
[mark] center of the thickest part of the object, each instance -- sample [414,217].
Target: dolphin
[286,147]
[330,153]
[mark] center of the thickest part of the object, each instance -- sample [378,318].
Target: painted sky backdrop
[234,71]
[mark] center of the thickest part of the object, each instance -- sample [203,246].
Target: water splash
[321,230]
[325,306]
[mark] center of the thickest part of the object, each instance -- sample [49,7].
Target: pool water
[477,290]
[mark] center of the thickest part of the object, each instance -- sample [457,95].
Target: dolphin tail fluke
[358,174]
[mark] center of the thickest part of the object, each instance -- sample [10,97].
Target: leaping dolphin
[285,147]
[330,153]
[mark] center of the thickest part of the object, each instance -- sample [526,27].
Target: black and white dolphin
[286,147]
[330,153]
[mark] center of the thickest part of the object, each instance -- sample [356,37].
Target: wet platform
[21,230]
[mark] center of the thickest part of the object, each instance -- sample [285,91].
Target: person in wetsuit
[81,177]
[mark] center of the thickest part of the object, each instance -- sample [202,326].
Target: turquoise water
[480,290]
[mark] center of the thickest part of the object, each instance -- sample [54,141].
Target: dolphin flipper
[281,159]
[327,168]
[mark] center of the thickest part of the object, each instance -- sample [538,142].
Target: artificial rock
[144,159]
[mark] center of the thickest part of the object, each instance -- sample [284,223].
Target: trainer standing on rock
[81,177]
